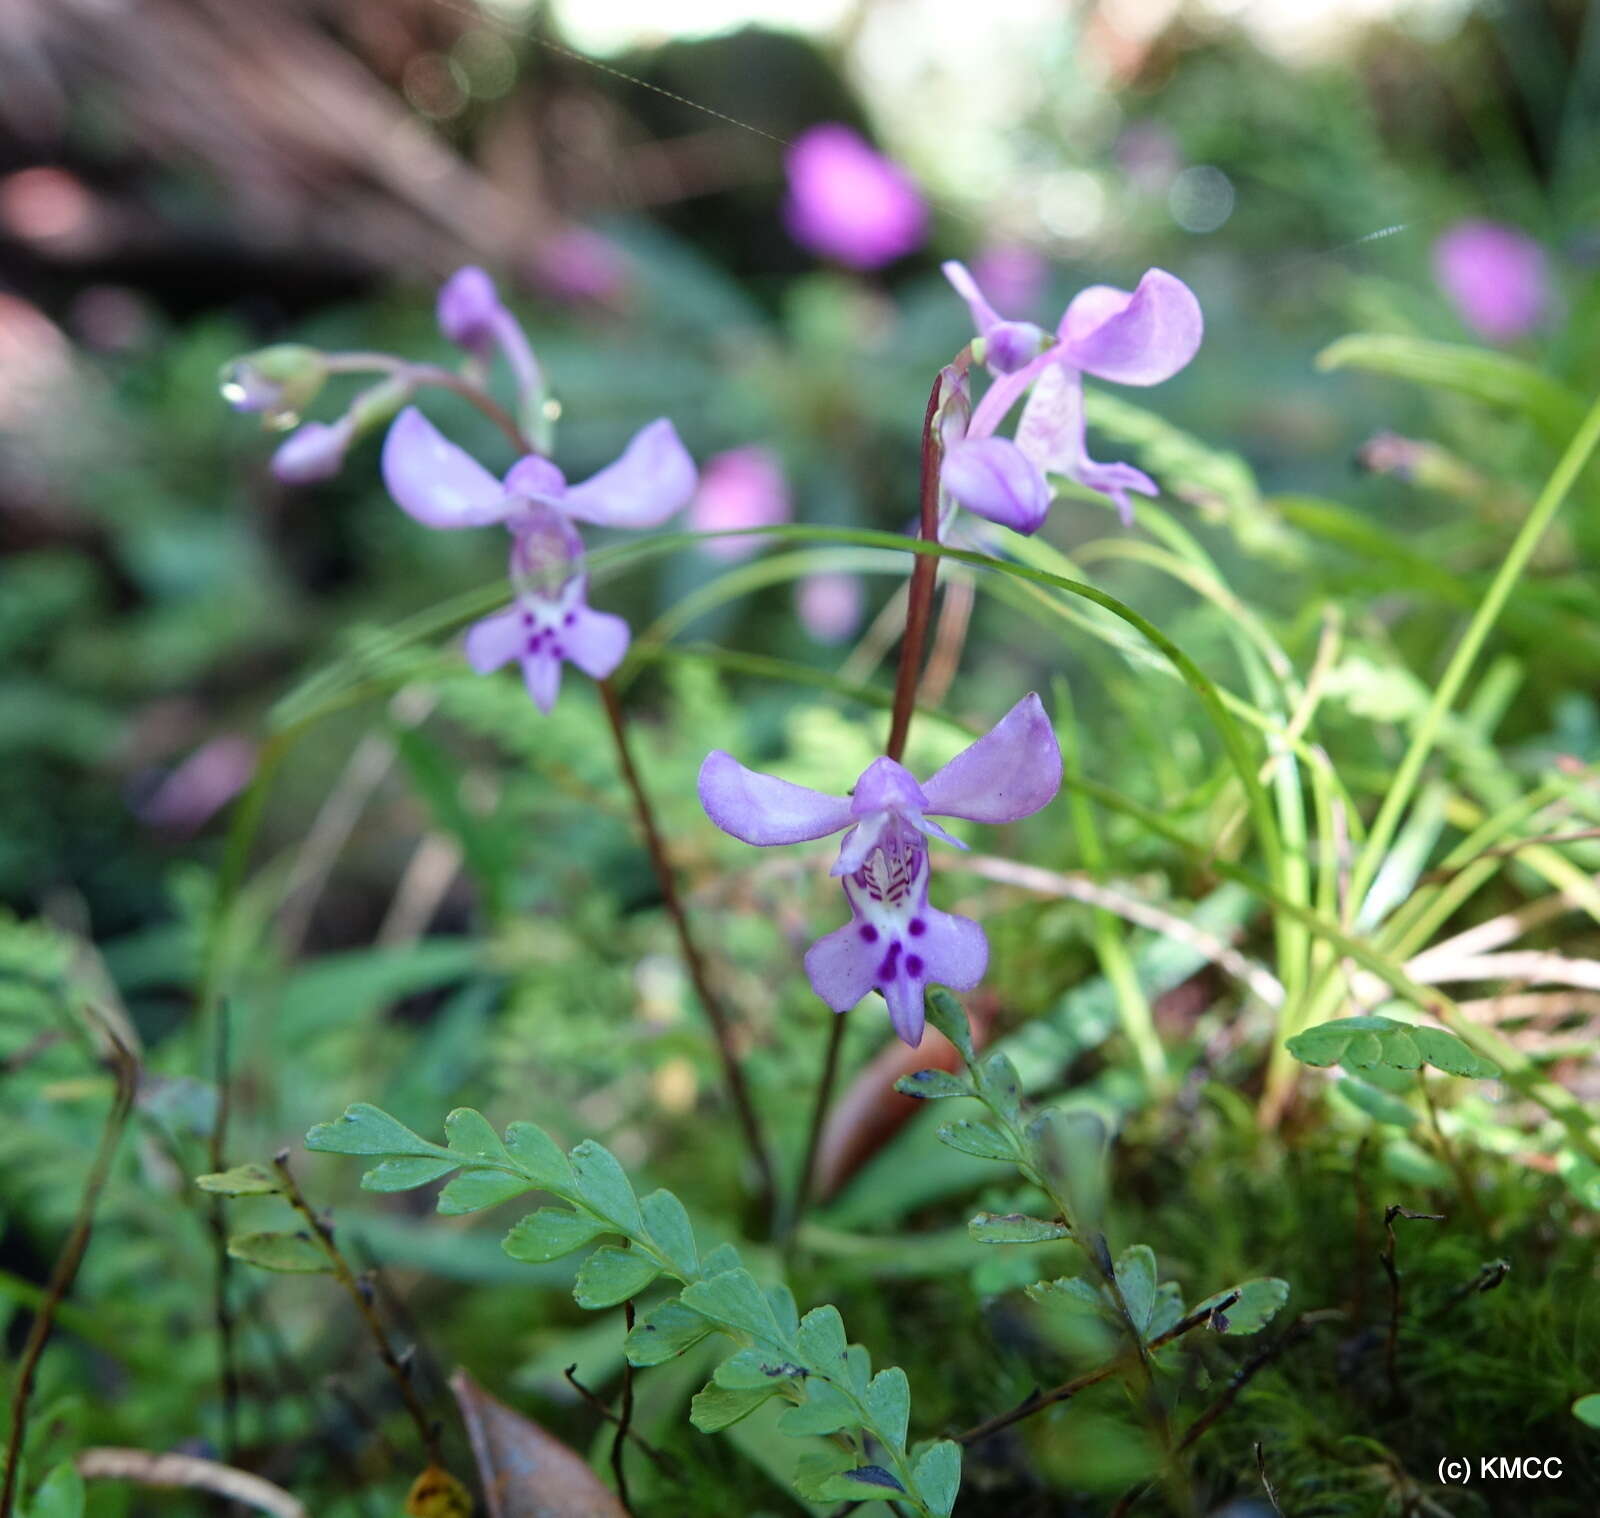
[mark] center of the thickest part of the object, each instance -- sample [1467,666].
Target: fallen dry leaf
[525,1472]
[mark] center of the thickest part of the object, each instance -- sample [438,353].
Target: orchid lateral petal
[1010,772]
[653,479]
[763,809]
[436,482]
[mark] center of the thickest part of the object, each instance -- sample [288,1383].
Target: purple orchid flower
[1138,337]
[894,943]
[550,620]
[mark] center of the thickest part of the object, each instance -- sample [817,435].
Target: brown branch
[126,1070]
[715,1014]
[1036,1400]
[322,1233]
[663,1463]
[1390,1269]
[150,1469]
[619,1443]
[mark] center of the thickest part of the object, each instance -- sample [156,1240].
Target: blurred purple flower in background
[849,203]
[201,785]
[743,487]
[894,943]
[1496,277]
[829,605]
[580,264]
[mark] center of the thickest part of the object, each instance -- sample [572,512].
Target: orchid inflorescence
[895,943]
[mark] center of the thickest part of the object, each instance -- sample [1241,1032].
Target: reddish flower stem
[919,609]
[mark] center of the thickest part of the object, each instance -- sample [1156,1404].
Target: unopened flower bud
[313,452]
[277,382]
[1007,346]
[468,304]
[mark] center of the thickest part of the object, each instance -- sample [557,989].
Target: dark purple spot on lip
[914,966]
[527,619]
[917,927]
[556,650]
[869,934]
[570,618]
[891,962]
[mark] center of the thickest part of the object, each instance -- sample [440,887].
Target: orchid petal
[496,640]
[1140,338]
[1010,772]
[858,844]
[436,482]
[542,674]
[595,641]
[653,479]
[984,315]
[992,477]
[538,479]
[906,1000]
[842,967]
[953,950]
[763,809]
[1050,435]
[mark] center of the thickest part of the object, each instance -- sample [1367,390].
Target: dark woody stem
[441,379]
[919,608]
[715,1012]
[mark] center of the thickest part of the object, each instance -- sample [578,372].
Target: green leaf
[1378,1105]
[1587,1409]
[293,1253]
[604,1187]
[1370,1042]
[1136,1279]
[1494,378]
[723,1257]
[932,1085]
[612,1275]
[469,1132]
[784,1312]
[817,1471]
[997,1083]
[733,1300]
[826,1410]
[1072,1293]
[889,1401]
[539,1157]
[241,1180]
[404,1173]
[1074,1145]
[664,1333]
[974,1136]
[550,1233]
[716,1407]
[476,1189]
[672,1232]
[1259,1302]
[1444,1051]
[365,1129]
[751,1368]
[857,1369]
[60,1495]
[950,1018]
[937,1476]
[822,1340]
[1014,1228]
[1167,1311]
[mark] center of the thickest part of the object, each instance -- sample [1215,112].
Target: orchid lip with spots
[895,942]
[1137,337]
[550,621]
